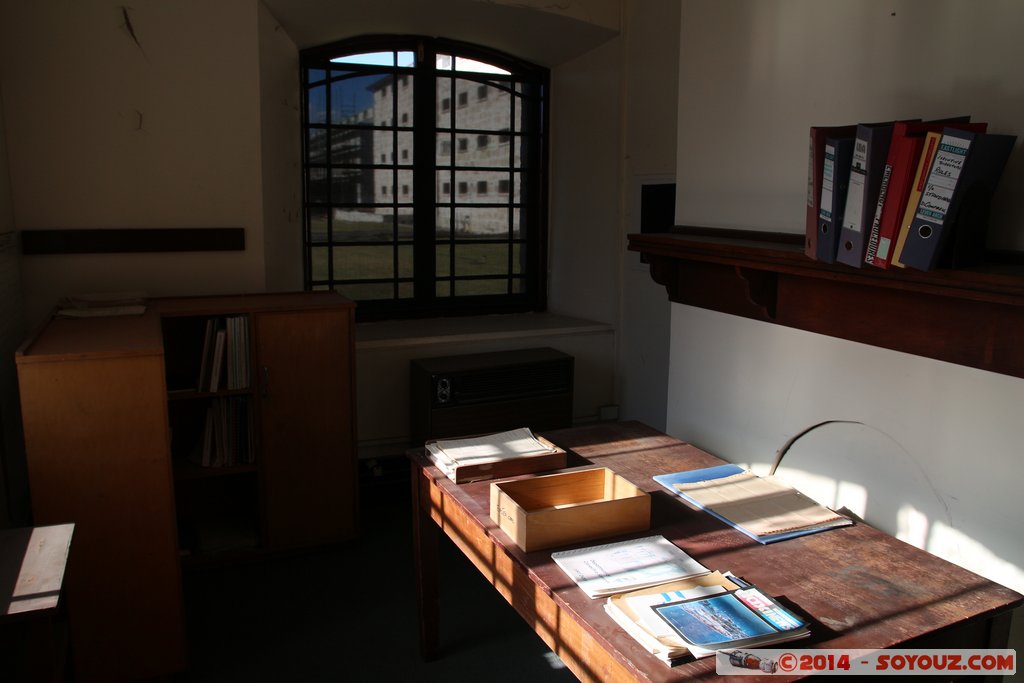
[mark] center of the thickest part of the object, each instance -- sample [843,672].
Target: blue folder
[720,471]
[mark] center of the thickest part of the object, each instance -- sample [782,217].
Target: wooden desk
[33,562]
[861,588]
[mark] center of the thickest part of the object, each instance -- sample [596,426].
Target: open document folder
[764,508]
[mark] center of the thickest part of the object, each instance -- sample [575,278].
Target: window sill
[394,334]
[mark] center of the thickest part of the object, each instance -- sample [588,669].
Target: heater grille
[479,393]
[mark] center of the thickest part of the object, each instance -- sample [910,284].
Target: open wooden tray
[569,507]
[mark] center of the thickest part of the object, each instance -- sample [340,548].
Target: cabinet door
[307,445]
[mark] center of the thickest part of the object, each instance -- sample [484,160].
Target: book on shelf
[230,350]
[905,149]
[502,454]
[815,178]
[217,360]
[611,568]
[205,361]
[928,147]
[867,173]
[834,186]
[237,352]
[224,360]
[967,245]
[697,627]
[226,438]
[961,180]
[764,508]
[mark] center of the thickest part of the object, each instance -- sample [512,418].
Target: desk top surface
[861,588]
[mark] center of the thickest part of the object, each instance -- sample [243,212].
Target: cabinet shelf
[190,394]
[183,471]
[972,317]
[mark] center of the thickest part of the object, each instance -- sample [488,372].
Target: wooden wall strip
[131,240]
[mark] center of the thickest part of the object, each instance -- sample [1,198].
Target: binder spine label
[873,247]
[810,172]
[827,182]
[854,214]
[854,200]
[883,248]
[946,168]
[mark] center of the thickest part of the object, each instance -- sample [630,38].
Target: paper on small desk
[489,448]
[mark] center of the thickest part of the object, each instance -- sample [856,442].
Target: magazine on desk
[690,605]
[764,508]
[745,617]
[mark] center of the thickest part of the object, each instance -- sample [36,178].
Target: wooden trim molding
[971,317]
[131,240]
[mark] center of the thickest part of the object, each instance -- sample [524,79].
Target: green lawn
[369,262]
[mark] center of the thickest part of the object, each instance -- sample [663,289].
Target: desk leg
[425,555]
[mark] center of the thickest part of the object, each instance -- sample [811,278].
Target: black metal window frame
[527,248]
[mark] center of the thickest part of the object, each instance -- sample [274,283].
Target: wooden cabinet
[113,416]
[306,424]
[95,419]
[299,485]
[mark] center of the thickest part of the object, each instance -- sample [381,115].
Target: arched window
[378,112]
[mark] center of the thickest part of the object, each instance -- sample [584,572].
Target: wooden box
[570,507]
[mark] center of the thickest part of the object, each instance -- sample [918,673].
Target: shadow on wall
[845,464]
[851,465]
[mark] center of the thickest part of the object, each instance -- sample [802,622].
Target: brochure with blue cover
[763,508]
[738,618]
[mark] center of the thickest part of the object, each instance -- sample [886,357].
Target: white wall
[753,77]
[649,95]
[105,133]
[586,157]
[539,31]
[280,155]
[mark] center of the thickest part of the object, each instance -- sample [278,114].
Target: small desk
[33,562]
[861,587]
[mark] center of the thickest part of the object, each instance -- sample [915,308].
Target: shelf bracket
[746,292]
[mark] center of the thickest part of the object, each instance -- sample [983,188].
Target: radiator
[490,392]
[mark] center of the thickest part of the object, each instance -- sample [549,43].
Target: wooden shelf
[972,317]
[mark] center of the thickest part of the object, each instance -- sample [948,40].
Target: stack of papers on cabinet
[702,615]
[101,305]
[764,508]
[611,568]
[505,454]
